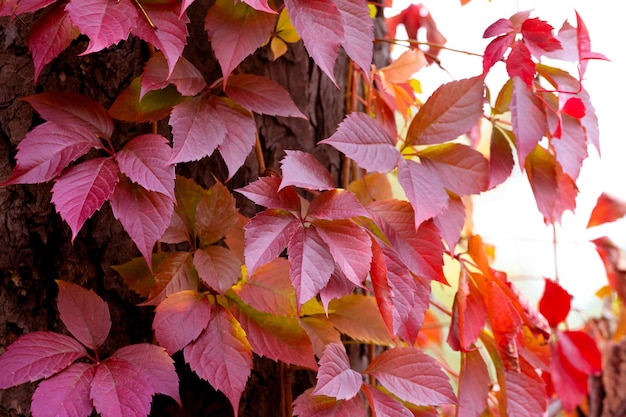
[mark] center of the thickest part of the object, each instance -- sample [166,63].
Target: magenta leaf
[222,355]
[82,189]
[451,221]
[73,109]
[261,5]
[37,355]
[584,45]
[15,7]
[121,388]
[335,378]
[499,27]
[501,160]
[155,363]
[519,63]
[145,215]
[474,383]
[267,234]
[338,286]
[236,30]
[105,22]
[412,376]
[381,288]
[50,35]
[309,405]
[571,147]
[180,318]
[217,267]
[528,119]
[452,110]
[525,392]
[265,192]
[65,394]
[335,205]
[185,76]
[496,49]
[311,263]
[321,26]
[301,169]
[538,37]
[170,35]
[261,95]
[359,32]
[384,405]
[366,141]
[84,313]
[47,150]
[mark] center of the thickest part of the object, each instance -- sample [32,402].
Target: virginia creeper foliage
[322,262]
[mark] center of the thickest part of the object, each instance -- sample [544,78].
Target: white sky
[507,216]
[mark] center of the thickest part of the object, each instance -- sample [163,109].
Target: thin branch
[258,150]
[429,44]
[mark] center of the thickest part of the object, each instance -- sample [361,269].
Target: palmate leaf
[311,405]
[501,160]
[65,394]
[357,316]
[334,377]
[222,355]
[301,169]
[338,286]
[469,315]
[384,405]
[261,95]
[474,382]
[451,221]
[381,288]
[267,234]
[215,214]
[260,5]
[335,204]
[358,29]
[528,119]
[524,391]
[131,106]
[217,267]
[321,332]
[538,37]
[496,50]
[37,355]
[175,273]
[84,313]
[17,7]
[266,192]
[185,76]
[555,303]
[269,289]
[519,63]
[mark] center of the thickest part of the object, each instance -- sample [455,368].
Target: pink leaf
[156,364]
[474,383]
[265,192]
[349,246]
[451,221]
[47,150]
[495,50]
[366,141]
[82,189]
[525,392]
[311,263]
[499,27]
[384,405]
[37,355]
[240,133]
[49,36]
[121,388]
[335,205]
[424,188]
[335,378]
[217,267]
[301,169]
[267,234]
[65,394]
[145,215]
[222,355]
[84,313]
[359,32]
[170,34]
[180,318]
[571,147]
[412,376]
[261,95]
[309,405]
[15,8]
[452,110]
[105,22]
[338,286]
[144,161]
[73,109]
[519,63]
[584,45]
[185,76]
[528,119]
[261,5]
[236,31]
[500,158]
[321,27]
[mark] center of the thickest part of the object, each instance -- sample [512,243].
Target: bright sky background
[507,216]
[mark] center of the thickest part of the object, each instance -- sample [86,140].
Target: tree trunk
[36,246]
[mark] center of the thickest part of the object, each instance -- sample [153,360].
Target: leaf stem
[258,150]
[429,44]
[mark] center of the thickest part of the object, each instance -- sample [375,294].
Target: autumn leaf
[555,303]
[133,106]
[65,393]
[606,210]
[308,404]
[334,377]
[261,95]
[301,169]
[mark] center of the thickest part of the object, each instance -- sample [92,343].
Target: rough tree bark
[35,244]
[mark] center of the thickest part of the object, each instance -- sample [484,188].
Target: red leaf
[366,141]
[574,107]
[47,150]
[424,189]
[121,388]
[301,169]
[267,234]
[15,8]
[452,110]
[359,32]
[506,324]
[144,161]
[519,63]
[579,349]
[261,95]
[73,109]
[538,37]
[65,394]
[265,192]
[81,190]
[357,316]
[155,363]
[311,263]
[474,383]
[606,210]
[500,158]
[495,50]
[196,129]
[104,22]
[469,315]
[555,303]
[338,286]
[236,31]
[37,355]
[499,27]
[50,35]
[188,80]
[145,215]
[524,392]
[170,34]
[175,273]
[309,405]
[528,119]
[381,288]
[569,383]
[217,267]
[413,376]
[451,221]
[335,378]
[84,313]
[180,318]
[462,170]
[335,205]
[321,27]
[222,355]
[384,405]
[584,45]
